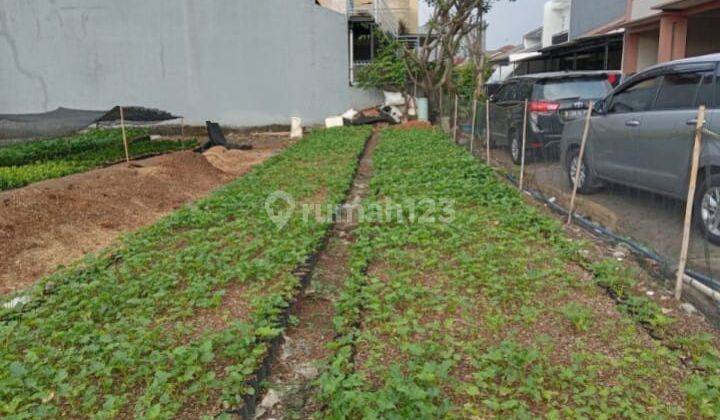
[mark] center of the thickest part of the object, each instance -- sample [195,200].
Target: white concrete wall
[248,62]
[648,45]
[644,8]
[556,19]
[339,6]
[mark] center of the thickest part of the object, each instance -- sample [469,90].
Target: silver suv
[642,136]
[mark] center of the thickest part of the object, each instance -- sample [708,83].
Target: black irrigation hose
[304,273]
[609,235]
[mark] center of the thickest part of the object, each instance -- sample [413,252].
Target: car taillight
[543,107]
[613,79]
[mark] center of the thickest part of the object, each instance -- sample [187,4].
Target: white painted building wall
[644,8]
[648,45]
[556,19]
[242,63]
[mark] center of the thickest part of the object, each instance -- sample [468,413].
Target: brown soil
[56,222]
[305,348]
[415,124]
[234,162]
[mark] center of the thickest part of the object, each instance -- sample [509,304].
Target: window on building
[362,43]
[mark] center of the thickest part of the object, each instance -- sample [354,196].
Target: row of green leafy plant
[27,163]
[699,351]
[488,313]
[175,318]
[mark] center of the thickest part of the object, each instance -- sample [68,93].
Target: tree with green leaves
[389,70]
[454,25]
[450,25]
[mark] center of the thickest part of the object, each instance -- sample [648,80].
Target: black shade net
[64,121]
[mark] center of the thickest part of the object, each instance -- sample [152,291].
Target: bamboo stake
[580,160]
[690,201]
[455,120]
[472,129]
[524,139]
[487,131]
[125,143]
[442,111]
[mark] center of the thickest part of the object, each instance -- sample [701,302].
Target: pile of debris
[393,111]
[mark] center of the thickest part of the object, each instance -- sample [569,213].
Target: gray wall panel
[241,62]
[586,15]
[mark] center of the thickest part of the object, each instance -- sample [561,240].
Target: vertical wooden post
[441,107]
[487,131]
[472,129]
[580,160]
[455,119]
[697,148]
[524,139]
[125,143]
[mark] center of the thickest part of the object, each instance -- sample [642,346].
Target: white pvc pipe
[702,288]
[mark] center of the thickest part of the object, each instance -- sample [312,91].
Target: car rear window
[553,90]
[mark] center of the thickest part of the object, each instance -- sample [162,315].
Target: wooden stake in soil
[580,160]
[125,143]
[442,111]
[472,129]
[690,201]
[524,139]
[487,131]
[455,120]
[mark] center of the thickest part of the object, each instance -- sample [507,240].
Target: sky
[507,21]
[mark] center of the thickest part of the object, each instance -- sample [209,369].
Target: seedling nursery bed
[176,318]
[26,163]
[483,308]
[496,312]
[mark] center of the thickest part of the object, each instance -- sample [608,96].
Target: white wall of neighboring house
[237,62]
[556,20]
[532,40]
[644,8]
[339,6]
[648,45]
[406,11]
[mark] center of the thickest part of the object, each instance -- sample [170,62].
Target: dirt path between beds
[291,385]
[57,222]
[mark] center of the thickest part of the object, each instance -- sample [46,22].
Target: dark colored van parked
[553,99]
[641,135]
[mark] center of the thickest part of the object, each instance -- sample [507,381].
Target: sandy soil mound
[58,221]
[235,161]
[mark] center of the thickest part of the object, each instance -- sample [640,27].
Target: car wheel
[515,148]
[707,208]
[586,182]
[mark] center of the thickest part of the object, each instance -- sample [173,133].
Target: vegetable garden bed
[27,163]
[492,313]
[175,319]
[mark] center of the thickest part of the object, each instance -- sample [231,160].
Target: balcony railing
[355,67]
[378,10]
